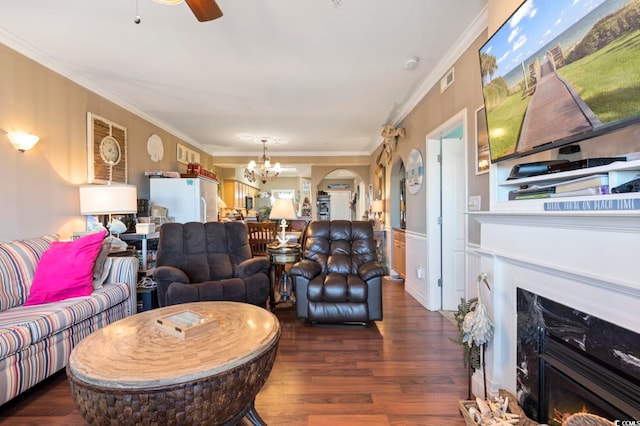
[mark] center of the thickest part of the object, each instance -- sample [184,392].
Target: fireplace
[569,361]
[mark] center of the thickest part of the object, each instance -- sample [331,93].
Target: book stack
[596,184]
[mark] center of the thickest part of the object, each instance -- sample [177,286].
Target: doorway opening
[445,206]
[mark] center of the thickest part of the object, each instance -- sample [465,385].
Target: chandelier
[265,172]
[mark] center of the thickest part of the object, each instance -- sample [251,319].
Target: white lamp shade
[283,209]
[221,203]
[377,206]
[108,199]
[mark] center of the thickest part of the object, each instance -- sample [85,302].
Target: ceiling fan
[204,10]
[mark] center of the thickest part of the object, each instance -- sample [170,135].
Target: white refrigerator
[186,199]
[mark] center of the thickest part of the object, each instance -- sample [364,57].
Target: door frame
[433,203]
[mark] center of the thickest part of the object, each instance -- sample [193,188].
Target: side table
[147,298]
[380,236]
[145,266]
[281,255]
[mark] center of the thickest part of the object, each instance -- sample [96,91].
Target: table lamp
[96,200]
[283,209]
[377,207]
[222,207]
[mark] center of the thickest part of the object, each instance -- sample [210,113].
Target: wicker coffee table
[133,373]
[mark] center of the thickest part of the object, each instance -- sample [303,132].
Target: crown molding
[59,67]
[467,38]
[463,43]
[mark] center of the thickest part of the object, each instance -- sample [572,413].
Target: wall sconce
[22,141]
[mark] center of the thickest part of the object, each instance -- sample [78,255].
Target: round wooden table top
[135,353]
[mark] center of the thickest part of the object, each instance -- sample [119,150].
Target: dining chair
[261,234]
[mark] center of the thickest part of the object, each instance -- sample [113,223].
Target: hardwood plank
[404,370]
[355,420]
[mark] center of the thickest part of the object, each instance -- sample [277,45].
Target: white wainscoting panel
[416,256]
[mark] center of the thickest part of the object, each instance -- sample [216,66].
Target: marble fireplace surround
[585,260]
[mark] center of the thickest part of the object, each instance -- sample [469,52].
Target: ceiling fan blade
[205,10]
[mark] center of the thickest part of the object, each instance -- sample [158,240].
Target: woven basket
[513,408]
[586,419]
[464,409]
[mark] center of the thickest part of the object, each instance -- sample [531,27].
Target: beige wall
[40,185]
[38,189]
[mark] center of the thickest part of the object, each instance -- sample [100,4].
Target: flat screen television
[561,71]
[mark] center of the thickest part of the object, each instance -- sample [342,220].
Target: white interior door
[340,205]
[453,222]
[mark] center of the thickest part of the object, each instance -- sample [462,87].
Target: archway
[348,188]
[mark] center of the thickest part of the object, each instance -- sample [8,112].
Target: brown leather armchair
[338,279]
[209,261]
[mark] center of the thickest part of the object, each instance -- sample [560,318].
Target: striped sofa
[36,341]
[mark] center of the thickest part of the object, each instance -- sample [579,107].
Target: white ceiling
[320,76]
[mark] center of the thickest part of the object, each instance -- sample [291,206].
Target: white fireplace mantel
[586,260]
[607,221]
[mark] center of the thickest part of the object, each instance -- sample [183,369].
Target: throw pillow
[65,270]
[99,271]
[99,281]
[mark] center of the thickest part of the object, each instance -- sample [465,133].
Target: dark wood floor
[401,371]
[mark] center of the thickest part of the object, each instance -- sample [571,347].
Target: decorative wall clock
[110,150]
[415,171]
[106,150]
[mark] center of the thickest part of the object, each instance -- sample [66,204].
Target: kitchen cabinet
[236,193]
[399,252]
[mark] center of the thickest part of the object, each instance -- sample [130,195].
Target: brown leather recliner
[338,279]
[209,261]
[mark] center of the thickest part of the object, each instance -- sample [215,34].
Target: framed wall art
[482,143]
[186,155]
[106,150]
[380,190]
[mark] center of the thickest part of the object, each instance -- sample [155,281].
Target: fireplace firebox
[569,361]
